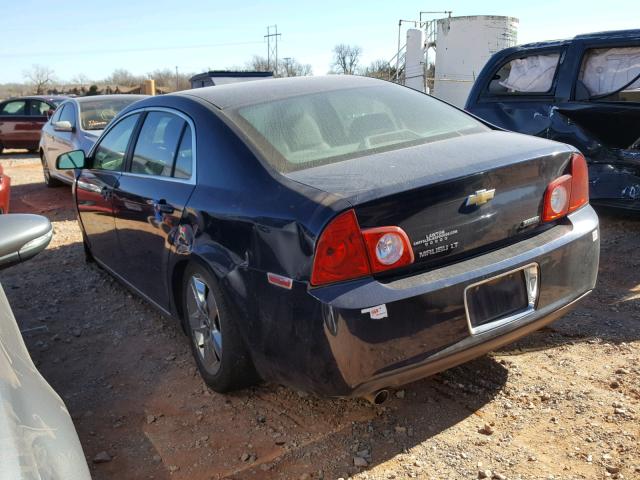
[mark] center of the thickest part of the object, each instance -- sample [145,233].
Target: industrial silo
[463,46]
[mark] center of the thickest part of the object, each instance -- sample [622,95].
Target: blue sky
[94,38]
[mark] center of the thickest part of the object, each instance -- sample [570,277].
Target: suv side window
[38,108]
[531,74]
[157,144]
[17,107]
[611,74]
[110,152]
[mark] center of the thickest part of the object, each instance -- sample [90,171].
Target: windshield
[328,127]
[96,114]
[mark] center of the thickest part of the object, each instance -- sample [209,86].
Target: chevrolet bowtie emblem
[481,197]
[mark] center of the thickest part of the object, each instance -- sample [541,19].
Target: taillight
[579,182]
[345,252]
[388,247]
[341,253]
[568,192]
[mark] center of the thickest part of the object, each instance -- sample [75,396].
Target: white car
[37,437]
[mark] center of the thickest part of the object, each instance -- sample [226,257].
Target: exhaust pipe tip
[378,398]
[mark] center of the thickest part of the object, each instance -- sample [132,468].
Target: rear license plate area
[501,299]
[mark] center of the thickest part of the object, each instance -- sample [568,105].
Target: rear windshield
[96,114]
[328,127]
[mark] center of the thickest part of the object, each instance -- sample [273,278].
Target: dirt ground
[563,403]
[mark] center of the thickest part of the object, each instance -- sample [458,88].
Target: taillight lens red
[388,247]
[341,253]
[345,252]
[579,182]
[568,192]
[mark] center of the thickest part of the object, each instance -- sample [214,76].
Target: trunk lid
[425,191]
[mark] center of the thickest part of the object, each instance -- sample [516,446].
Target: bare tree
[39,76]
[346,58]
[258,64]
[120,76]
[290,67]
[380,69]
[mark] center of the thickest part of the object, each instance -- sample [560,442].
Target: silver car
[37,435]
[76,125]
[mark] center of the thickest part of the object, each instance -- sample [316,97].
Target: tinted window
[39,108]
[68,114]
[184,160]
[17,107]
[110,153]
[96,114]
[530,74]
[157,144]
[327,127]
[611,73]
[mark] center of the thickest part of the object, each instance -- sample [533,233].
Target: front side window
[610,73]
[18,107]
[530,74]
[68,114]
[336,125]
[157,144]
[110,152]
[56,116]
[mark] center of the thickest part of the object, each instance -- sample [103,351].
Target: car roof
[254,92]
[108,97]
[607,35]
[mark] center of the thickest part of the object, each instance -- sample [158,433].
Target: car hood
[36,432]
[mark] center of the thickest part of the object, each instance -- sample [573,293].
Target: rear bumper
[327,341]
[5,191]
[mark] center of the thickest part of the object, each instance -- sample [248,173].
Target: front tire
[48,179]
[217,346]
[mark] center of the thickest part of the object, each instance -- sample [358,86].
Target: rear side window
[110,152]
[184,159]
[157,144]
[336,125]
[529,74]
[610,73]
[18,107]
[39,108]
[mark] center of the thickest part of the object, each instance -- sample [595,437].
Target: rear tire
[48,179]
[217,346]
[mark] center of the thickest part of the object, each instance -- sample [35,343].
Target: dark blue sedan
[341,235]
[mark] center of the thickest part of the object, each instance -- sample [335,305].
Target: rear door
[94,191]
[520,93]
[151,196]
[15,127]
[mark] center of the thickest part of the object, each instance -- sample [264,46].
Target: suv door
[150,198]
[94,191]
[14,124]
[520,93]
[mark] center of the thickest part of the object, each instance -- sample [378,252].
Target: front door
[150,198]
[94,191]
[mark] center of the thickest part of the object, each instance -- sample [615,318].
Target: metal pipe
[378,397]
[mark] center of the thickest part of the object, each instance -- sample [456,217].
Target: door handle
[162,206]
[106,193]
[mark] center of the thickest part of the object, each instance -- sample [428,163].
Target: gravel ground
[564,403]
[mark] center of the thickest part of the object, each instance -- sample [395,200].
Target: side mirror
[22,236]
[63,126]
[71,160]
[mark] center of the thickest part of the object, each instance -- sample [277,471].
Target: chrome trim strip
[531,277]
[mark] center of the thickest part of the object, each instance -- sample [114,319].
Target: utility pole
[287,66]
[272,47]
[177,80]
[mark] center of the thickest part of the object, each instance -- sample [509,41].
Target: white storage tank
[463,46]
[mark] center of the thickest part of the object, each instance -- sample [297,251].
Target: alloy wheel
[204,322]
